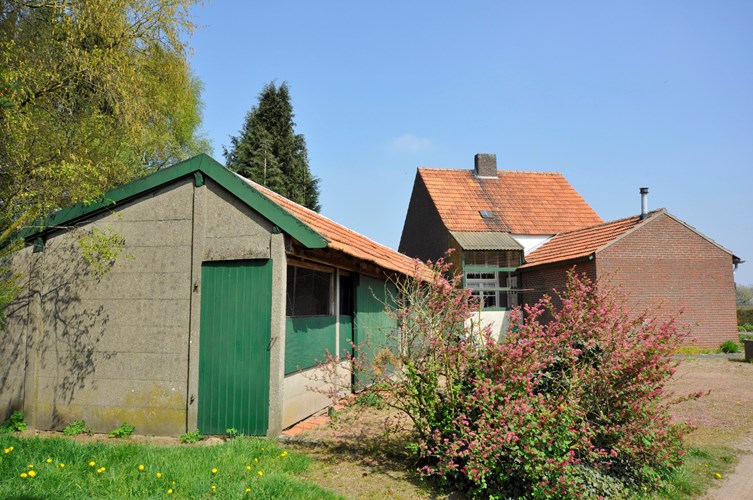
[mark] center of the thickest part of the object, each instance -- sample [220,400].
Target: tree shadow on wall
[74,322]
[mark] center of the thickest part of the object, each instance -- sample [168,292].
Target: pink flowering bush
[570,407]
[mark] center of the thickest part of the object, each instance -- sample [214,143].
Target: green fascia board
[210,168]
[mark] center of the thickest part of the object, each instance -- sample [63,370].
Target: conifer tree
[269,152]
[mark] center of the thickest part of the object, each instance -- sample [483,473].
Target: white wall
[531,242]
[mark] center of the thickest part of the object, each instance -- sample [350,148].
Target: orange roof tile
[582,242]
[522,202]
[343,239]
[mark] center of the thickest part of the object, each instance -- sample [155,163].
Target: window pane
[308,292]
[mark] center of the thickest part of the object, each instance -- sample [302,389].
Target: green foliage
[269,152]
[744,315]
[75,428]
[191,437]
[743,295]
[233,433]
[729,346]
[743,336]
[123,431]
[93,94]
[370,399]
[14,423]
[747,327]
[187,470]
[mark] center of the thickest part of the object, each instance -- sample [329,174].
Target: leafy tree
[744,295]
[93,93]
[269,152]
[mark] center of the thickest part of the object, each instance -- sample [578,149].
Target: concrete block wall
[667,267]
[114,348]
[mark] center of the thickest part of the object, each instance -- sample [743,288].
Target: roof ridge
[503,171]
[610,222]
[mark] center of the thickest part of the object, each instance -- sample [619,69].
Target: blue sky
[615,95]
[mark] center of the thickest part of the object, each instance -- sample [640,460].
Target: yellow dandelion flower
[248,490]
[92,463]
[30,466]
[62,465]
[24,475]
[718,476]
[214,470]
[173,483]
[101,470]
[260,473]
[284,454]
[214,488]
[256,460]
[141,467]
[49,460]
[32,473]
[159,475]
[248,467]
[170,491]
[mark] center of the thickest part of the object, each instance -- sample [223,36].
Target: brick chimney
[485,165]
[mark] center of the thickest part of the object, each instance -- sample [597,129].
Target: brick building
[516,234]
[656,262]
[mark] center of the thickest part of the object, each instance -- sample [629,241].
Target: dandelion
[32,473]
[24,475]
[7,450]
[92,463]
[30,466]
[284,454]
[248,467]
[260,473]
[256,460]
[49,460]
[214,470]
[62,465]
[214,488]
[170,491]
[248,490]
[141,467]
[159,475]
[100,470]
[718,476]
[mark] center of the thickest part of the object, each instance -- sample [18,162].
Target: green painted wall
[372,325]
[306,339]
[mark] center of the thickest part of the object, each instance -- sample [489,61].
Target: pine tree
[269,152]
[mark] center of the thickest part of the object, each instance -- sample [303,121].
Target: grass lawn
[33,467]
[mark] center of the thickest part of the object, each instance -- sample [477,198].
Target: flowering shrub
[574,406]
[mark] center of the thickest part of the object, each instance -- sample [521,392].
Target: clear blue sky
[615,95]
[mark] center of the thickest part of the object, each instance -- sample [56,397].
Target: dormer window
[486,214]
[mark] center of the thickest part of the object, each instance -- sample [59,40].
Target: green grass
[698,472]
[261,465]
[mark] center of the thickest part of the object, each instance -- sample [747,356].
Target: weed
[14,423]
[191,437]
[75,428]
[123,431]
[730,346]
[233,433]
[370,399]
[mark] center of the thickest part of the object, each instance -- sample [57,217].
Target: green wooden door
[373,328]
[236,312]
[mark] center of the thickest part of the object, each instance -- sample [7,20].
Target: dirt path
[739,484]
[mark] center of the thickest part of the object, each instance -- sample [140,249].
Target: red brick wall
[543,279]
[665,266]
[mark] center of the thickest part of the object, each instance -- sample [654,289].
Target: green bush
[745,316]
[743,336]
[747,327]
[123,431]
[75,428]
[14,423]
[730,346]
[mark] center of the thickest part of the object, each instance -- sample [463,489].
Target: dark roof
[520,202]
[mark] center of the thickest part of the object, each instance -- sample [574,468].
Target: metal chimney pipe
[644,203]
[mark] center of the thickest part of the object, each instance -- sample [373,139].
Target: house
[655,262]
[491,219]
[516,235]
[224,297]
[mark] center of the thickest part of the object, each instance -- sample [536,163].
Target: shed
[213,317]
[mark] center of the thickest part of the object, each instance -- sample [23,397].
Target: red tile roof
[522,202]
[582,242]
[343,239]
